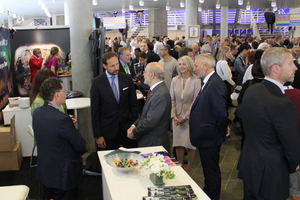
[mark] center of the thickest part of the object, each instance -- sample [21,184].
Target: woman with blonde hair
[51,61]
[223,70]
[184,90]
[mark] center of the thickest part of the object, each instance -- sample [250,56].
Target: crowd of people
[186,96]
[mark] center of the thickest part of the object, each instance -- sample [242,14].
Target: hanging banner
[5,67]
[292,19]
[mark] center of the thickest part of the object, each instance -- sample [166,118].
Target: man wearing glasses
[59,144]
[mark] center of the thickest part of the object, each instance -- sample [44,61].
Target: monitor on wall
[114,22]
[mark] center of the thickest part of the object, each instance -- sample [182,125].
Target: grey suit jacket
[152,127]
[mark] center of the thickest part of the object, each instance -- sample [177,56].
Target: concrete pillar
[297,31]
[81,26]
[66,12]
[224,22]
[158,23]
[191,17]
[200,24]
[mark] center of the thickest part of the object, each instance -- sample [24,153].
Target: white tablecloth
[134,186]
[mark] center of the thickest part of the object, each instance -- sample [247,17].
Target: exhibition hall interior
[73,44]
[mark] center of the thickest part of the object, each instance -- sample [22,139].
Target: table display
[135,184]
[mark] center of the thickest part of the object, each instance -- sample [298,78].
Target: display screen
[114,22]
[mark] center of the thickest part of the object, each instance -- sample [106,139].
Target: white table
[78,103]
[16,192]
[118,186]
[23,119]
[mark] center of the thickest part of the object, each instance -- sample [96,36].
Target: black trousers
[270,27]
[120,140]
[228,98]
[57,194]
[212,175]
[248,195]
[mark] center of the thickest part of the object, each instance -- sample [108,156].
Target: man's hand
[181,121]
[228,131]
[176,121]
[130,134]
[74,121]
[101,142]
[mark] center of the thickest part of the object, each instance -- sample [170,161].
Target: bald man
[151,129]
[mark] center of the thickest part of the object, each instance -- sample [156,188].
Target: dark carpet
[91,189]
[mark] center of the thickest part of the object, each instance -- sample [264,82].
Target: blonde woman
[51,61]
[184,90]
[223,70]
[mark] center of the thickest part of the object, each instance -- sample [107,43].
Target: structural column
[191,17]
[81,26]
[224,22]
[66,12]
[158,22]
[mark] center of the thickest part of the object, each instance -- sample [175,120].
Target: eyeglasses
[66,91]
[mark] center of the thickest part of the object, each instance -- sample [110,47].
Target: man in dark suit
[113,104]
[271,149]
[270,19]
[151,129]
[208,123]
[151,56]
[124,61]
[59,144]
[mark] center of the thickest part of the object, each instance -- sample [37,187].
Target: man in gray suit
[151,129]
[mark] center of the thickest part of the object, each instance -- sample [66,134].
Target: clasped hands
[130,134]
[179,122]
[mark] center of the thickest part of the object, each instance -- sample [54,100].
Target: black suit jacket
[269,17]
[108,116]
[208,118]
[152,57]
[60,146]
[296,82]
[121,69]
[271,150]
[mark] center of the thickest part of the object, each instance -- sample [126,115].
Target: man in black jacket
[270,19]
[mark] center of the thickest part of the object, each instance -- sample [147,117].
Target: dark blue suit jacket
[208,118]
[60,147]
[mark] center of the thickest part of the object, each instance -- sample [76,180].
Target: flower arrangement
[156,165]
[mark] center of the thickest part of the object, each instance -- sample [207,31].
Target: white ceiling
[31,8]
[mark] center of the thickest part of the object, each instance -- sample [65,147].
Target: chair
[31,133]
[19,192]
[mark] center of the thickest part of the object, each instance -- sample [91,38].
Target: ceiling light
[275,9]
[201,1]
[168,7]
[248,7]
[130,7]
[14,16]
[141,3]
[240,2]
[123,10]
[22,19]
[199,8]
[273,4]
[155,0]
[19,17]
[182,4]
[95,2]
[218,6]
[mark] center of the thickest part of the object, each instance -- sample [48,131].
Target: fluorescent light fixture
[141,3]
[201,1]
[240,2]
[248,7]
[168,7]
[123,10]
[218,6]
[130,7]
[95,2]
[155,0]
[273,4]
[199,9]
[182,4]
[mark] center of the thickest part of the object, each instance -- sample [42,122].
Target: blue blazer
[208,118]
[60,147]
